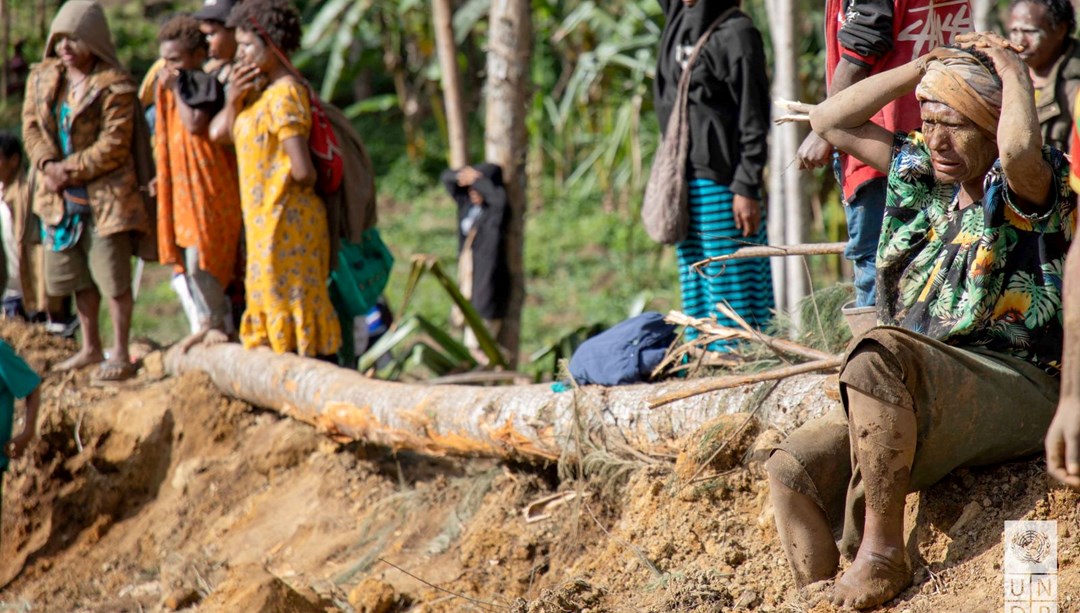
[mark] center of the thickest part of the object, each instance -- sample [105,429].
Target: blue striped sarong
[745,284]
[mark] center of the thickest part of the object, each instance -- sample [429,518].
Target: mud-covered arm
[112,147]
[843,119]
[1019,136]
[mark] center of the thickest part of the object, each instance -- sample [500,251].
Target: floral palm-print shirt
[985,276]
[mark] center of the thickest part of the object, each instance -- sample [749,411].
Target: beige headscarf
[966,85]
[84,20]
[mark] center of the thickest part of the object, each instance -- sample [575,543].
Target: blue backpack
[626,353]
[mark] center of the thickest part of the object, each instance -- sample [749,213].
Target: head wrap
[964,84]
[84,20]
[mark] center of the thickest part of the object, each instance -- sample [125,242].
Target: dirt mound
[166,495]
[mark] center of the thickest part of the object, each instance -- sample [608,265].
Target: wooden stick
[777,344]
[723,383]
[761,251]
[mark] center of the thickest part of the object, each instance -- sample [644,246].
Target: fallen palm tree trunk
[527,422]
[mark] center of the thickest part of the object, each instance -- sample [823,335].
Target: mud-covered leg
[802,525]
[883,436]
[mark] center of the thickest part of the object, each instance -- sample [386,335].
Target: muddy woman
[964,369]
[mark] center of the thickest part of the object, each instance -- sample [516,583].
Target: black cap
[215,10]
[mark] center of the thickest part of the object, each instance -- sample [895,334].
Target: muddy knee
[787,473]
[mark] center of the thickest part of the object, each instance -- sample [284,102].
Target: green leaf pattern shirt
[985,276]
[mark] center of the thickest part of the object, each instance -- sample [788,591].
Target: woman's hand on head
[1001,51]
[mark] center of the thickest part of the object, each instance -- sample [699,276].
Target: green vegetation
[592,133]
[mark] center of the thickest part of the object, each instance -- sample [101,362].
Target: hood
[696,19]
[85,20]
[683,27]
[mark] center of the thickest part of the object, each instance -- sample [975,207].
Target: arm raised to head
[1019,138]
[844,118]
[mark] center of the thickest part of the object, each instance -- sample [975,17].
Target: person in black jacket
[483,219]
[728,111]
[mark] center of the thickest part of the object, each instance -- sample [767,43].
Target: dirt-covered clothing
[987,275]
[1056,99]
[884,34]
[728,101]
[966,409]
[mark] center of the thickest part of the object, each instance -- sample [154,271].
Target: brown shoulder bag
[665,211]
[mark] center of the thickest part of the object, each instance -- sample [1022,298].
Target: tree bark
[457,136]
[529,422]
[784,177]
[5,47]
[506,141]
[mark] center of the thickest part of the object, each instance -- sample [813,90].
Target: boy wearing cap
[222,40]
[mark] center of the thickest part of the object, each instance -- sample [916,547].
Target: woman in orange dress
[267,115]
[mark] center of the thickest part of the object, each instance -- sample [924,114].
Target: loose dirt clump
[166,495]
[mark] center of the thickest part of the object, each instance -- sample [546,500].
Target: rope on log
[531,423]
[723,383]
[762,251]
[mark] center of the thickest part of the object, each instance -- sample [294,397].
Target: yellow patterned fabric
[288,305]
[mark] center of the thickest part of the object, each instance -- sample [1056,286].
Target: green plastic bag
[362,273]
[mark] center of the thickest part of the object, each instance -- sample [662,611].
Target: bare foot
[816,592]
[206,336]
[85,357]
[214,337]
[873,579]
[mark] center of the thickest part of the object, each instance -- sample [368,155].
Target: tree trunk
[981,14]
[5,47]
[787,193]
[506,141]
[457,136]
[529,422]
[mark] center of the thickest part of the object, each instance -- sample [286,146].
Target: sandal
[115,372]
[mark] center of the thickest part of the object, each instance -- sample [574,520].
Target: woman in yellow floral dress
[268,117]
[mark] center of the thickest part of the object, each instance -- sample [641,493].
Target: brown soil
[164,495]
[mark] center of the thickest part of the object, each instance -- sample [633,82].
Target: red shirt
[858,29]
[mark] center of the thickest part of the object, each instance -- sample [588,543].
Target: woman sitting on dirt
[978,220]
[78,131]
[267,115]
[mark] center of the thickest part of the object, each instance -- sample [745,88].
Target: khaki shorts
[101,261]
[972,408]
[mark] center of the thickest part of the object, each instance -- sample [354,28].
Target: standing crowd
[206,169]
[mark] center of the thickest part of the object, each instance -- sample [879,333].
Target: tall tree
[451,83]
[5,46]
[787,201]
[506,140]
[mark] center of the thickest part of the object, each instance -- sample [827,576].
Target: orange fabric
[198,192]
